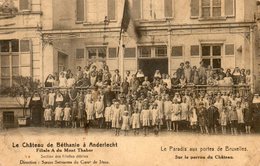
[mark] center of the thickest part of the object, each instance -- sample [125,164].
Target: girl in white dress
[63,80]
[125,122]
[155,118]
[145,118]
[89,111]
[224,120]
[184,106]
[58,115]
[193,116]
[175,115]
[116,118]
[167,106]
[108,115]
[67,114]
[47,115]
[52,98]
[136,121]
[159,103]
[99,108]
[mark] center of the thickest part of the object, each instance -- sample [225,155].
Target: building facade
[56,34]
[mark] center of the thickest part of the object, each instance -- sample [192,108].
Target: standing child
[89,112]
[240,117]
[155,118]
[116,118]
[52,98]
[167,110]
[136,121]
[58,115]
[47,115]
[176,115]
[67,112]
[248,118]
[125,122]
[184,106]
[74,113]
[233,121]
[159,102]
[145,118]
[223,120]
[81,114]
[99,108]
[202,113]
[193,116]
[108,115]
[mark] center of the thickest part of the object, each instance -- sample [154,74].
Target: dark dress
[35,106]
[212,116]
[248,116]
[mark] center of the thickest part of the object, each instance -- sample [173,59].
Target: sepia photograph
[129,82]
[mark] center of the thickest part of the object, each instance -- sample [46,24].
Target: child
[58,115]
[108,115]
[184,106]
[167,110]
[66,118]
[74,112]
[193,116]
[52,98]
[175,115]
[240,117]
[99,107]
[116,118]
[202,111]
[136,121]
[233,120]
[125,122]
[89,112]
[80,116]
[47,115]
[159,106]
[223,120]
[145,118]
[247,118]
[155,118]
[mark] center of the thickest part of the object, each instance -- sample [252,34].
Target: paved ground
[42,131]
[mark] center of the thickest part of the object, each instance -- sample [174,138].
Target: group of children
[204,112]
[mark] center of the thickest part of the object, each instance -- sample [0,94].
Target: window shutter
[111,12]
[195,50]
[24,5]
[177,51]
[112,52]
[136,8]
[229,7]
[26,58]
[80,53]
[168,8]
[80,10]
[130,53]
[229,49]
[195,8]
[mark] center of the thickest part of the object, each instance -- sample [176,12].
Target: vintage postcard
[129,82]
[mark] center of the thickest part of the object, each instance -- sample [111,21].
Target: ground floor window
[8,119]
[211,55]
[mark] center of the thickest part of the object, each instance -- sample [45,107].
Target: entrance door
[62,61]
[149,66]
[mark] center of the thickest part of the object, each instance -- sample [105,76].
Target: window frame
[97,53]
[153,51]
[29,6]
[211,57]
[175,46]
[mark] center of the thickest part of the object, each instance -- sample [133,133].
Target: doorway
[149,66]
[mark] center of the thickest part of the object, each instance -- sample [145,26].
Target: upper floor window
[24,5]
[95,10]
[156,9]
[212,8]
[153,51]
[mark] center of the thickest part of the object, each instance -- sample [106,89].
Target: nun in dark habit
[36,109]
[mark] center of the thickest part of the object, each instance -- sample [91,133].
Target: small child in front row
[108,116]
[47,116]
[136,121]
[155,118]
[66,117]
[58,115]
[233,121]
[125,122]
[145,118]
[116,118]
[223,120]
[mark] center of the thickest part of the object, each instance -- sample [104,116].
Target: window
[156,9]
[130,53]
[145,51]
[96,53]
[211,55]
[136,9]
[212,8]
[24,5]
[11,51]
[229,49]
[97,10]
[177,51]
[80,10]
[195,50]
[112,52]
[161,51]
[80,53]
